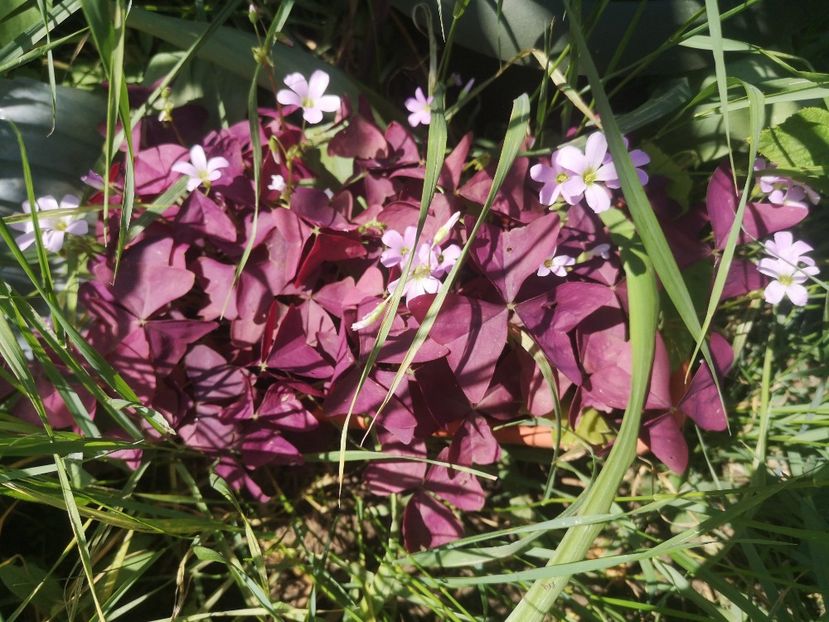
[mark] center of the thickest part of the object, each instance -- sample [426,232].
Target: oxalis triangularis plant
[256,370]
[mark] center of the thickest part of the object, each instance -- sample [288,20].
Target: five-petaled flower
[782,190]
[399,246]
[590,173]
[309,95]
[553,177]
[420,108]
[783,267]
[556,264]
[53,229]
[199,169]
[422,278]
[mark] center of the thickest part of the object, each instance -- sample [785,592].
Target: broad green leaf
[57,160]
[801,142]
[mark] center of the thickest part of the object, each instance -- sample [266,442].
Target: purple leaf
[664,438]
[428,523]
[284,411]
[507,258]
[235,475]
[701,401]
[144,290]
[314,206]
[291,351]
[169,340]
[216,279]
[211,378]
[742,278]
[386,477]
[284,244]
[575,300]
[397,418]
[329,247]
[760,219]
[450,174]
[200,216]
[474,443]
[361,139]
[153,168]
[607,357]
[266,446]
[461,489]
[537,316]
[208,433]
[475,333]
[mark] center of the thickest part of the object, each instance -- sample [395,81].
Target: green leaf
[57,160]
[801,142]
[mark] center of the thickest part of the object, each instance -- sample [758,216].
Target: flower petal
[296,82]
[598,198]
[774,292]
[317,84]
[288,98]
[198,157]
[312,115]
[572,159]
[797,294]
[596,149]
[328,103]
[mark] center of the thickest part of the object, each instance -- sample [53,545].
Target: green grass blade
[644,218]
[644,305]
[253,119]
[513,140]
[712,14]
[757,116]
[22,44]
[50,62]
[435,153]
[42,260]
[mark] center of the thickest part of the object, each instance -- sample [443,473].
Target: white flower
[420,108]
[783,267]
[422,279]
[309,95]
[788,281]
[445,259]
[199,169]
[556,265]
[53,229]
[277,183]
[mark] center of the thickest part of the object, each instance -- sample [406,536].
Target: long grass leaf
[435,153]
[513,140]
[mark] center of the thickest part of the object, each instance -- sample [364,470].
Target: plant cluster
[247,323]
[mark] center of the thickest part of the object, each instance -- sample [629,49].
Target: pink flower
[590,174]
[784,247]
[399,246]
[556,265]
[784,190]
[420,108]
[53,229]
[638,158]
[788,277]
[445,229]
[553,177]
[199,169]
[421,279]
[309,95]
[445,259]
